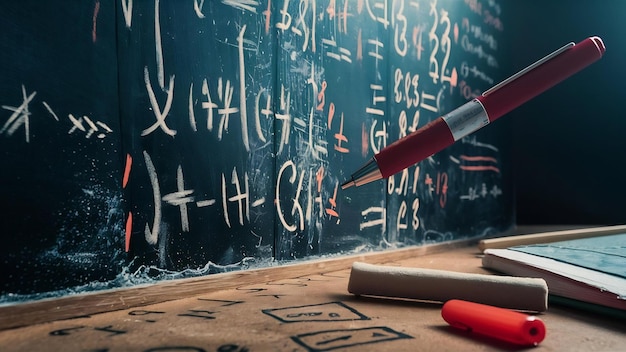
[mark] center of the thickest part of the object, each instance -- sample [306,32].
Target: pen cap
[541,77]
[500,323]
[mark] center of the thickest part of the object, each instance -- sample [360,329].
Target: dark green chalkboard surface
[147,140]
[60,146]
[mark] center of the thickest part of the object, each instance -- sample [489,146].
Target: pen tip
[347,184]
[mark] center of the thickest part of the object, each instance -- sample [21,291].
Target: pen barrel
[541,78]
[499,323]
[415,147]
[496,102]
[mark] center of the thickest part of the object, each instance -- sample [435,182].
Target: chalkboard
[169,139]
[60,143]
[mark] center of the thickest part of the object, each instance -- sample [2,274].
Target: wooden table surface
[302,309]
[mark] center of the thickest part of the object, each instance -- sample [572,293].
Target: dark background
[569,145]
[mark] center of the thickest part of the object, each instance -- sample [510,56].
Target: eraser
[519,293]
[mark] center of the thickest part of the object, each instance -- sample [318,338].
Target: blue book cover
[591,270]
[605,254]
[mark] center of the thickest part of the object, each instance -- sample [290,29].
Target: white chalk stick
[529,294]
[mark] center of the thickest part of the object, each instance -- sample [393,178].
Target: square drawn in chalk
[328,340]
[331,311]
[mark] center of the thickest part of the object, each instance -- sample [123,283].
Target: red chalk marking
[268,16]
[96,9]
[479,158]
[359,47]
[364,140]
[480,168]
[319,176]
[331,113]
[129,228]
[129,163]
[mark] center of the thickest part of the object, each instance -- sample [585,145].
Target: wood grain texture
[87,304]
[304,307]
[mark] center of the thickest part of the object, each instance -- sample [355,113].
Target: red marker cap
[500,323]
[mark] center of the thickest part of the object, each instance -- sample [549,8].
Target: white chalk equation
[421,53]
[234,191]
[21,115]
[293,210]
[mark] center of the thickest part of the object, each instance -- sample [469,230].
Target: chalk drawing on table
[327,340]
[224,302]
[277,296]
[251,289]
[175,348]
[83,328]
[323,312]
[231,347]
[146,313]
[66,331]
[297,282]
[199,313]
[333,275]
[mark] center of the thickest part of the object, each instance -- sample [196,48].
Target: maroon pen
[479,112]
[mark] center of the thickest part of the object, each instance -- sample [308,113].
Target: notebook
[589,270]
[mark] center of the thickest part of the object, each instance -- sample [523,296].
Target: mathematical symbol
[109,329]
[144,312]
[65,332]
[19,117]
[160,115]
[226,302]
[344,54]
[180,199]
[341,338]
[377,45]
[371,223]
[204,314]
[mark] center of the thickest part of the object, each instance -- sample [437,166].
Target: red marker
[500,323]
[477,113]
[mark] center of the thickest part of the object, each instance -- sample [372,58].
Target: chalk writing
[196,313]
[481,192]
[183,197]
[247,5]
[127,10]
[327,340]
[20,116]
[231,135]
[232,348]
[160,115]
[324,312]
